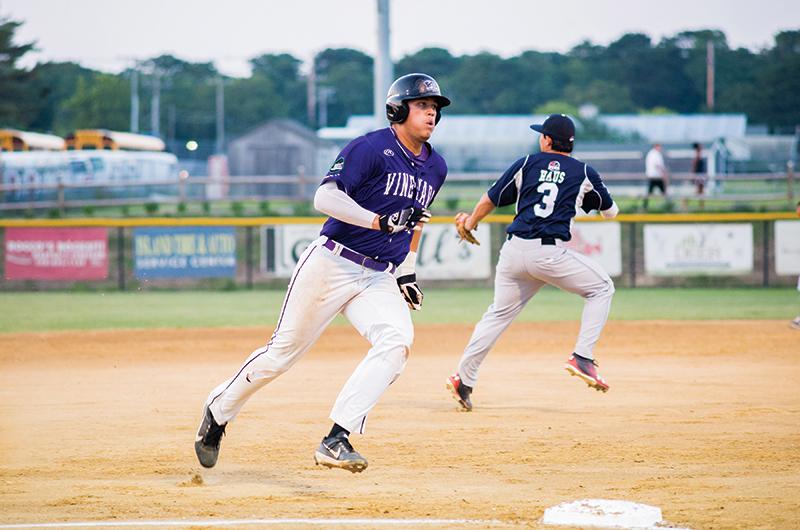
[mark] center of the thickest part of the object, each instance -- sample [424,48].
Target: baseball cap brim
[539,127]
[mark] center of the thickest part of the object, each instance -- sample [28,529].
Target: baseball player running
[547,189]
[377,194]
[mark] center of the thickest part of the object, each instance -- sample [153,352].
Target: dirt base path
[702,420]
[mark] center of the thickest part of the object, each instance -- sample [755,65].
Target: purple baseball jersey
[382,176]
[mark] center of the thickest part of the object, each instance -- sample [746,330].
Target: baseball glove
[591,201]
[463,233]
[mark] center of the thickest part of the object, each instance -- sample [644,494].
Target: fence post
[60,194]
[765,255]
[182,176]
[301,183]
[121,258]
[248,247]
[790,180]
[632,273]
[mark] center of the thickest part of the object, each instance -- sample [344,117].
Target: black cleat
[336,451]
[209,436]
[460,391]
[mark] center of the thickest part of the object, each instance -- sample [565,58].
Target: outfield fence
[58,196]
[708,250]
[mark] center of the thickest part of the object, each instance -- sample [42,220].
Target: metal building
[279,147]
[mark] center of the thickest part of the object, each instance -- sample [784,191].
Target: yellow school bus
[104,140]
[14,140]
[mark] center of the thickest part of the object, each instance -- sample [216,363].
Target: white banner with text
[686,249]
[787,247]
[600,241]
[440,255]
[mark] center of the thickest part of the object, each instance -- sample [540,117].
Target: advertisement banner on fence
[290,242]
[184,252]
[684,249]
[787,247]
[601,242]
[440,256]
[56,254]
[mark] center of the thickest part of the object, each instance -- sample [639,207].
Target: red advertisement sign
[56,253]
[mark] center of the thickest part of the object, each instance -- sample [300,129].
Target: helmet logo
[554,166]
[388,152]
[427,85]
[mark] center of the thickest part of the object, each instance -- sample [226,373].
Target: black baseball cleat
[336,451]
[460,392]
[209,436]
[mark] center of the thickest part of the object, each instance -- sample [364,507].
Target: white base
[603,514]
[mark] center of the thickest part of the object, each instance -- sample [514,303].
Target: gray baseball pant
[524,267]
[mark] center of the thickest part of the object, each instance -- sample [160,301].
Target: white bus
[21,173]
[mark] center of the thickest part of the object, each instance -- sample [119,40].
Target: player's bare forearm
[415,238]
[484,207]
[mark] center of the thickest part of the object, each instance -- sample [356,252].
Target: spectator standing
[656,172]
[699,172]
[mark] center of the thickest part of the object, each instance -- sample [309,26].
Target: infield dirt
[702,420]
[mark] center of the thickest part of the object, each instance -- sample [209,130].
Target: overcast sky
[109,35]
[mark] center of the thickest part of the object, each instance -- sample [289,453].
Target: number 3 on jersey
[549,192]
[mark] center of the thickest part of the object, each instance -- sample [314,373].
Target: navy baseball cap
[557,126]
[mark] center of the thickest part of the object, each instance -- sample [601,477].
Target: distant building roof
[469,128]
[678,128]
[340,134]
[491,142]
[505,129]
[276,124]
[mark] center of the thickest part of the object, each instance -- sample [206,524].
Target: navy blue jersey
[382,176]
[548,189]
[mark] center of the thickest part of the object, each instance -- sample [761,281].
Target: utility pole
[710,75]
[311,93]
[382,65]
[155,110]
[135,99]
[220,147]
[325,95]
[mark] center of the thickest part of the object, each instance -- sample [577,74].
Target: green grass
[189,309]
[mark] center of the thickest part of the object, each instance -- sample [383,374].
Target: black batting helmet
[408,87]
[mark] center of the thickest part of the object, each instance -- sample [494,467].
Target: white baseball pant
[323,285]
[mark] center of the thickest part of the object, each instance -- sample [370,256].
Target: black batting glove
[405,219]
[411,291]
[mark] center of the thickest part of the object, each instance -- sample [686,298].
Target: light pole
[326,94]
[710,75]
[382,65]
[155,104]
[135,99]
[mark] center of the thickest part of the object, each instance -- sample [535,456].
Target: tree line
[633,74]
